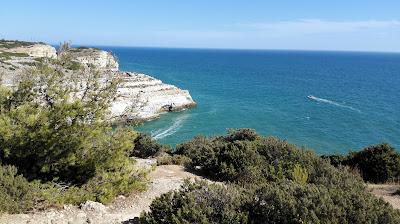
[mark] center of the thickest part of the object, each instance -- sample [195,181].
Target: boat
[311,97]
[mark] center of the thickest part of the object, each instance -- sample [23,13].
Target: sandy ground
[122,210]
[385,191]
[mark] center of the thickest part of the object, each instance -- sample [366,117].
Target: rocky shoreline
[140,96]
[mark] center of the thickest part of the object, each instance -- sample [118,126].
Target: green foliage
[9,55]
[168,159]
[197,203]
[15,43]
[56,131]
[146,147]
[299,174]
[377,163]
[66,62]
[276,202]
[277,183]
[243,156]
[48,134]
[335,160]
[16,193]
[290,202]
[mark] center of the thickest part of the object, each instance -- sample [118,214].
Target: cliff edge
[140,96]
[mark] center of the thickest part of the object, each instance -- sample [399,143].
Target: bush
[290,202]
[57,132]
[145,147]
[17,194]
[50,136]
[277,183]
[256,159]
[197,203]
[377,163]
[277,202]
[167,159]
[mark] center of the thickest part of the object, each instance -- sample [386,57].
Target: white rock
[140,97]
[93,206]
[90,56]
[37,50]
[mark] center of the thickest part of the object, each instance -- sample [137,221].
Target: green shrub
[54,135]
[168,159]
[15,43]
[197,203]
[278,183]
[290,202]
[17,194]
[9,55]
[50,136]
[277,202]
[145,147]
[299,174]
[255,159]
[335,160]
[377,163]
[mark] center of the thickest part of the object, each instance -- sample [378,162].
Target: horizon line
[237,49]
[215,48]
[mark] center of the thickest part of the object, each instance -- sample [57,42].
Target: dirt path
[386,192]
[123,209]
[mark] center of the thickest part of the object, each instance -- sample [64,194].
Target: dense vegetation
[146,146]
[56,145]
[377,163]
[267,180]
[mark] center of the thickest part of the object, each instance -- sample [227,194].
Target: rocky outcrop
[36,50]
[144,97]
[93,57]
[140,97]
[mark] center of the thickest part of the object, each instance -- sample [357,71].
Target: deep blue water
[357,94]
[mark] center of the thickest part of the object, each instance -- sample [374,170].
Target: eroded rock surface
[92,56]
[140,97]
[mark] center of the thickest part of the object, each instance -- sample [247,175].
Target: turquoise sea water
[356,95]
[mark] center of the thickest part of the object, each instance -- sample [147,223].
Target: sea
[330,102]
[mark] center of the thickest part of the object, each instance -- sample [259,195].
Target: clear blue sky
[366,25]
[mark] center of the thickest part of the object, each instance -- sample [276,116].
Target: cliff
[140,97]
[31,49]
[92,56]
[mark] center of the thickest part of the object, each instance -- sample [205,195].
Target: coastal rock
[37,50]
[143,97]
[140,96]
[93,57]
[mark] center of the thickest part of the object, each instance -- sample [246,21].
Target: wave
[164,132]
[322,100]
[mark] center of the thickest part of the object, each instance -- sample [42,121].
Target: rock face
[37,50]
[140,97]
[144,97]
[92,56]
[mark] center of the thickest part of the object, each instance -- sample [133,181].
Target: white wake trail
[162,133]
[332,103]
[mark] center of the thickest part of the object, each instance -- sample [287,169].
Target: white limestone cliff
[96,57]
[36,50]
[140,97]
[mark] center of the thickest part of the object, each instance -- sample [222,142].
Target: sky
[340,25]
